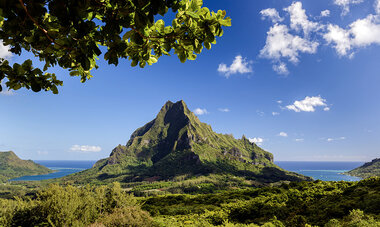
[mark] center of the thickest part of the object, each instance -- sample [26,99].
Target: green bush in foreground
[294,204]
[302,204]
[74,206]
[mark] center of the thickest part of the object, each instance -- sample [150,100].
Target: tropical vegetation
[73,34]
[315,203]
[176,143]
[369,169]
[12,166]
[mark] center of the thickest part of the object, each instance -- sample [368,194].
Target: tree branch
[35,22]
[40,27]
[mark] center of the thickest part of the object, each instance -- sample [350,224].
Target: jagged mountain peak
[176,142]
[173,112]
[176,128]
[169,123]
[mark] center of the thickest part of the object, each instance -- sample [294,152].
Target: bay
[326,171]
[63,168]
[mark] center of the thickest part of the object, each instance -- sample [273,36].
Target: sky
[299,78]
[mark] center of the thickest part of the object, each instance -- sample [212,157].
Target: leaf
[196,43]
[54,89]
[90,16]
[74,73]
[193,15]
[207,45]
[134,63]
[152,60]
[35,86]
[142,64]
[128,35]
[182,57]
[160,26]
[196,5]
[192,57]
[225,22]
[86,64]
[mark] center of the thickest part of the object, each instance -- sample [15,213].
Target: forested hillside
[12,166]
[369,169]
[295,204]
[176,143]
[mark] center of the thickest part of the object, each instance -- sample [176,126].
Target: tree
[70,34]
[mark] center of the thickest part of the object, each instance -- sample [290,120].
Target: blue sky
[302,83]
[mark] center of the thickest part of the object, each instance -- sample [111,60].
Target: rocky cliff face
[176,142]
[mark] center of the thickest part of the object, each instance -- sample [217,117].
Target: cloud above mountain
[239,65]
[288,40]
[199,111]
[85,149]
[308,104]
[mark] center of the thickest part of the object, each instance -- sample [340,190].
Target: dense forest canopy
[293,204]
[70,34]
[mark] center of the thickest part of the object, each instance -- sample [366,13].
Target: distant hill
[369,169]
[176,144]
[12,166]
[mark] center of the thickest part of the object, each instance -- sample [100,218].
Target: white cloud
[42,152]
[256,140]
[283,134]
[366,31]
[281,44]
[308,104]
[279,101]
[345,4]
[85,148]
[285,43]
[5,90]
[260,113]
[199,111]
[326,108]
[224,110]
[299,20]
[275,113]
[335,139]
[239,65]
[272,14]
[377,6]
[361,33]
[325,13]
[4,51]
[281,68]
[299,140]
[340,37]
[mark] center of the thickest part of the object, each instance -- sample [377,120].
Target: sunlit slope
[12,166]
[177,143]
[369,169]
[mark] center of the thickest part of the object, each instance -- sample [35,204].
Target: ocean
[326,171]
[63,168]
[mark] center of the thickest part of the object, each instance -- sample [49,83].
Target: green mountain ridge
[369,169]
[11,166]
[176,143]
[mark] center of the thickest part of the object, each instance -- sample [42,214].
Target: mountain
[176,143]
[369,169]
[12,166]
